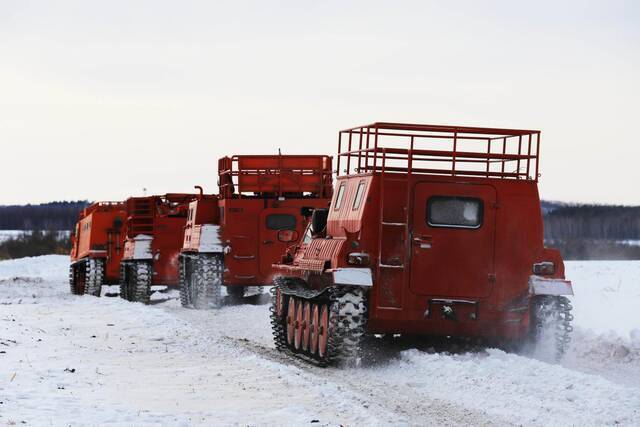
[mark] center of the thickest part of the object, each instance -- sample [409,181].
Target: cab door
[452,240]
[273,220]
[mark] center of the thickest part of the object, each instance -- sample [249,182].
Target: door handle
[424,242]
[267,242]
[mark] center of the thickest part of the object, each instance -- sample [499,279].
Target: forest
[47,216]
[580,231]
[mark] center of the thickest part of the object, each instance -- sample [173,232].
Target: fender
[541,286]
[353,277]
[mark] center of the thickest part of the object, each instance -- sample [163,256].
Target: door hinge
[492,277]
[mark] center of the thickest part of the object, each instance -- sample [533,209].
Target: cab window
[281,222]
[359,193]
[339,197]
[308,236]
[454,211]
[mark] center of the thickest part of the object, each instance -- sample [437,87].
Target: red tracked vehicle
[153,239]
[97,247]
[433,230]
[233,239]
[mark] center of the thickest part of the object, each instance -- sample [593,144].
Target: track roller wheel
[306,324]
[314,328]
[299,326]
[323,331]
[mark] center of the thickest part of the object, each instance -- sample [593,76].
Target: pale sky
[100,99]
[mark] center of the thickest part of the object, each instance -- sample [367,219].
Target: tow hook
[448,313]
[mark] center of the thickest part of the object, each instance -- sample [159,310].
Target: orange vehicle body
[260,195]
[99,234]
[154,232]
[440,226]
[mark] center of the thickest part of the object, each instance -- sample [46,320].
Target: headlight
[358,258]
[544,268]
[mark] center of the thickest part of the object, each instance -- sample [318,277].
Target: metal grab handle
[267,242]
[424,242]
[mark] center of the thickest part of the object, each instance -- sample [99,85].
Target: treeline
[584,232]
[46,216]
[589,249]
[34,244]
[600,222]
[579,231]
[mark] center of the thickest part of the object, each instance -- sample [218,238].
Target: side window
[339,197]
[359,193]
[454,211]
[308,236]
[281,222]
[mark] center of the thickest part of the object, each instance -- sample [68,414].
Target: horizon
[559,202]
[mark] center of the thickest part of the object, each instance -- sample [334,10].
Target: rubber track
[95,277]
[136,281]
[553,313]
[141,285]
[347,324]
[124,290]
[73,272]
[208,277]
[185,289]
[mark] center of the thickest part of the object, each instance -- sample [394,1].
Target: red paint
[163,218]
[416,264]
[99,233]
[252,188]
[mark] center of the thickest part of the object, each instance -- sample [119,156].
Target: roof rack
[275,174]
[439,150]
[102,206]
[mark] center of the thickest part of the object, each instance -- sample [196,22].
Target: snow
[10,234]
[142,246]
[353,276]
[630,242]
[85,361]
[210,239]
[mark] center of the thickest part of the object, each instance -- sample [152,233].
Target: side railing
[277,174]
[440,150]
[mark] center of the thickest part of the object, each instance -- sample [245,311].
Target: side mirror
[306,211]
[319,221]
[287,236]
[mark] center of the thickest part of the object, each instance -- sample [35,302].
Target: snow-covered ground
[68,360]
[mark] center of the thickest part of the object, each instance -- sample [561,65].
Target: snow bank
[517,388]
[607,297]
[48,267]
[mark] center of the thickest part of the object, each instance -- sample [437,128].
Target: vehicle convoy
[432,230]
[233,239]
[154,227]
[96,248]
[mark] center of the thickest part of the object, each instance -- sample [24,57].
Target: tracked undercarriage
[326,327]
[135,284]
[201,280]
[86,277]
[551,323]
